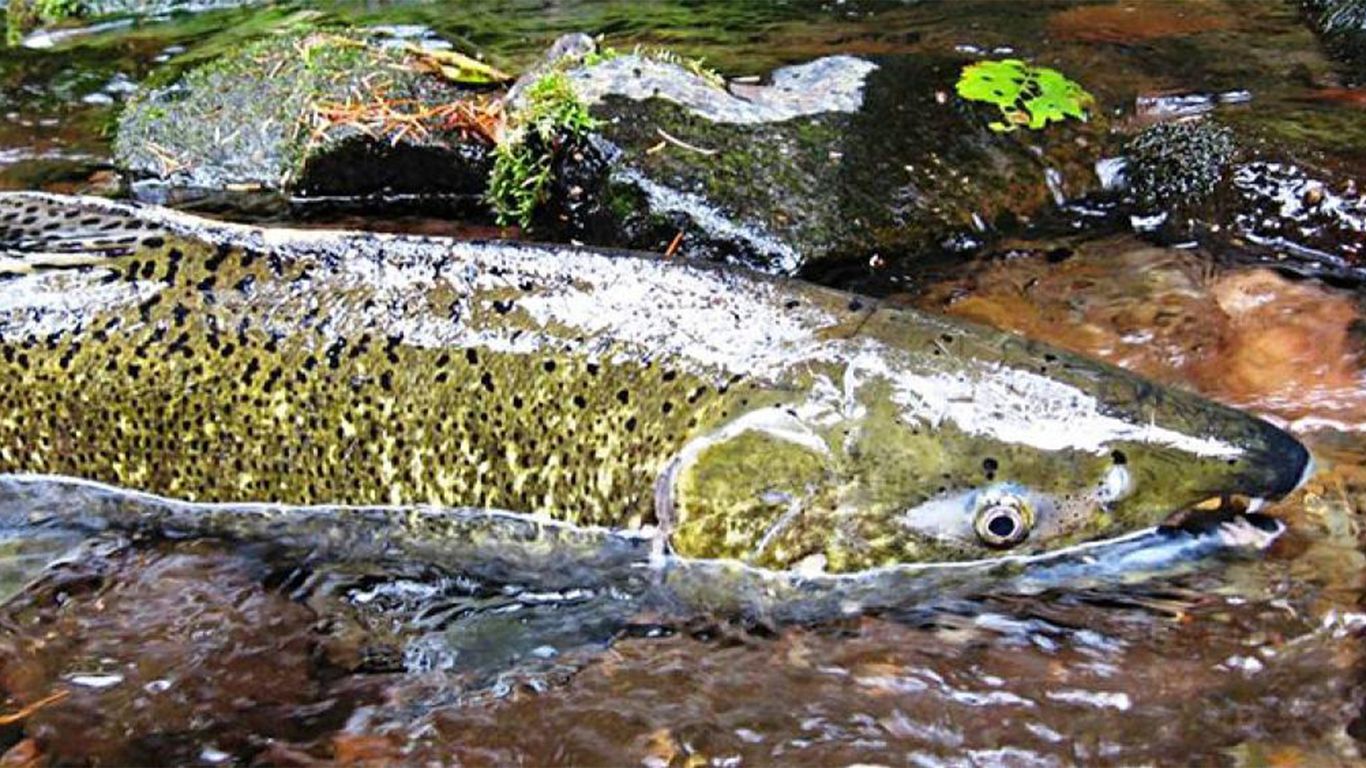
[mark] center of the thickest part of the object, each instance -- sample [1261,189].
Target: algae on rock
[841,159]
[1343,26]
[311,113]
[1178,165]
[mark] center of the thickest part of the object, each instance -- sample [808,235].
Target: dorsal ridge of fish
[40,232]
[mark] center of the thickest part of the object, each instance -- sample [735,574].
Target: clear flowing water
[134,650]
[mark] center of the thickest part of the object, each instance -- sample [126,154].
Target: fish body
[741,416]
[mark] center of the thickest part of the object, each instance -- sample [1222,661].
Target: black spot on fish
[216,260]
[667,407]
[549,366]
[502,307]
[471,356]
[153,242]
[855,305]
[487,381]
[1118,457]
[623,396]
[580,401]
[65,361]
[334,353]
[990,465]
[145,308]
[172,265]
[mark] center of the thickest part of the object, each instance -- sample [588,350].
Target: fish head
[1003,456]
[967,458]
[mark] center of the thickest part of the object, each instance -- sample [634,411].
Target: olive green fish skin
[750,418]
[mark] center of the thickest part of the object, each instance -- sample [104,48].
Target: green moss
[1178,165]
[250,116]
[56,10]
[1026,95]
[21,16]
[551,115]
[600,55]
[696,65]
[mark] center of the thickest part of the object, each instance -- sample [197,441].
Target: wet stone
[1342,23]
[313,115]
[1178,165]
[834,159]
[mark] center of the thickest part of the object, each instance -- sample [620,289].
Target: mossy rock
[1247,200]
[1342,23]
[1178,166]
[306,114]
[835,161]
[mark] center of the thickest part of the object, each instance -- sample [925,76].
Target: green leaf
[997,82]
[1026,95]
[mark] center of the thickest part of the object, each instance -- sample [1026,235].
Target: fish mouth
[1284,469]
[1275,466]
[1296,465]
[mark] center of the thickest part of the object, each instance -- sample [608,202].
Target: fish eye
[1003,522]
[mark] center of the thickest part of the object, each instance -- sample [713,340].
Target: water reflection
[1252,337]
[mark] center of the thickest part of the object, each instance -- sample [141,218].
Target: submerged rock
[1247,336]
[1195,180]
[1303,219]
[168,655]
[1178,165]
[1342,23]
[312,114]
[840,158]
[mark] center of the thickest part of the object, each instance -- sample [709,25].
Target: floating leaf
[457,67]
[1026,95]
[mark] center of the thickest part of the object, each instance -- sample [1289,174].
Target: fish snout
[1276,466]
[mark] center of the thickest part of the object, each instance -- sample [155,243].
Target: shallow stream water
[195,652]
